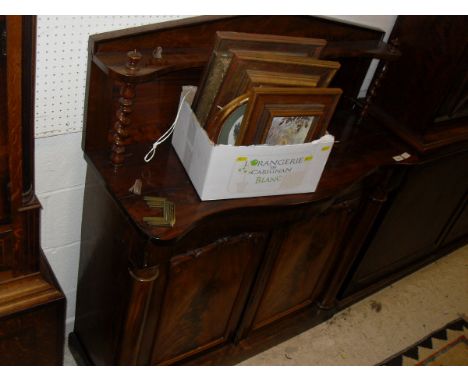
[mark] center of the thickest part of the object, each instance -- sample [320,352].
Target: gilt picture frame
[221,56]
[230,116]
[225,127]
[277,116]
[236,80]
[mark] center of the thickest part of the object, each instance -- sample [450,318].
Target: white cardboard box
[228,172]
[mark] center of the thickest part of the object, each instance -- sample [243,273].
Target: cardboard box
[228,172]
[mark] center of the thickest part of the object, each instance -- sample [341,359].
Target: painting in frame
[221,56]
[229,117]
[236,81]
[278,116]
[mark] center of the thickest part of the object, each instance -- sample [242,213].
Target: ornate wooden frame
[257,78]
[236,80]
[268,103]
[221,56]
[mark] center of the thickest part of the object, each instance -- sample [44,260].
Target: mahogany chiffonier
[231,277]
[32,305]
[424,101]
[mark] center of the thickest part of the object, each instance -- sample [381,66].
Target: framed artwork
[226,121]
[220,60]
[282,116]
[225,128]
[236,80]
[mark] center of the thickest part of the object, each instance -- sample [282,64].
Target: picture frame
[226,126]
[223,128]
[220,60]
[257,78]
[287,115]
[236,80]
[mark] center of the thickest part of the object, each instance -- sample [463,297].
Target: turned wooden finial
[157,53]
[134,57]
[120,134]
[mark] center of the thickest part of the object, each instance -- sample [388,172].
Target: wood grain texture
[32,320]
[408,231]
[186,49]
[32,305]
[205,296]
[306,250]
[165,177]
[432,78]
[232,277]
[222,54]
[14,101]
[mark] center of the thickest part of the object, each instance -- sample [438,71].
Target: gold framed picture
[224,127]
[237,80]
[220,60]
[280,116]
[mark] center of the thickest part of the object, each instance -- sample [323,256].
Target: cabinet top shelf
[149,68]
[349,162]
[146,111]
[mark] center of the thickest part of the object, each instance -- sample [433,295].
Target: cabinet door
[459,229]
[205,292]
[304,255]
[414,222]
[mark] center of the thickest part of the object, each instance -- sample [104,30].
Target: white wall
[60,167]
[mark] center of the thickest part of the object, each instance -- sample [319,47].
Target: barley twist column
[120,132]
[392,47]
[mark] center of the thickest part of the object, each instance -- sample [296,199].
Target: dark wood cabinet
[234,277]
[205,293]
[422,219]
[302,255]
[423,101]
[423,98]
[32,305]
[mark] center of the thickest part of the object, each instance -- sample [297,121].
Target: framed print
[281,116]
[221,57]
[236,79]
[226,126]
[230,128]
[230,115]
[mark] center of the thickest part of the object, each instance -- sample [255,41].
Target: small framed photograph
[221,56]
[283,116]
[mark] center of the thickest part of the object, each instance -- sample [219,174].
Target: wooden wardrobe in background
[32,305]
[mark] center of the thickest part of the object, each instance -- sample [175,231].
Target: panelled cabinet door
[415,220]
[205,292]
[304,256]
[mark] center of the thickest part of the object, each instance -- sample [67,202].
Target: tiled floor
[382,324]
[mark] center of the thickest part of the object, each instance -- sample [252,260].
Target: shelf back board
[156,103]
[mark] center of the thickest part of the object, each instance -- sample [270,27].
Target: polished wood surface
[186,46]
[425,214]
[417,222]
[431,76]
[165,177]
[32,305]
[205,296]
[234,277]
[296,276]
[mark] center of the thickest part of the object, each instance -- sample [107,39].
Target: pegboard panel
[61,65]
